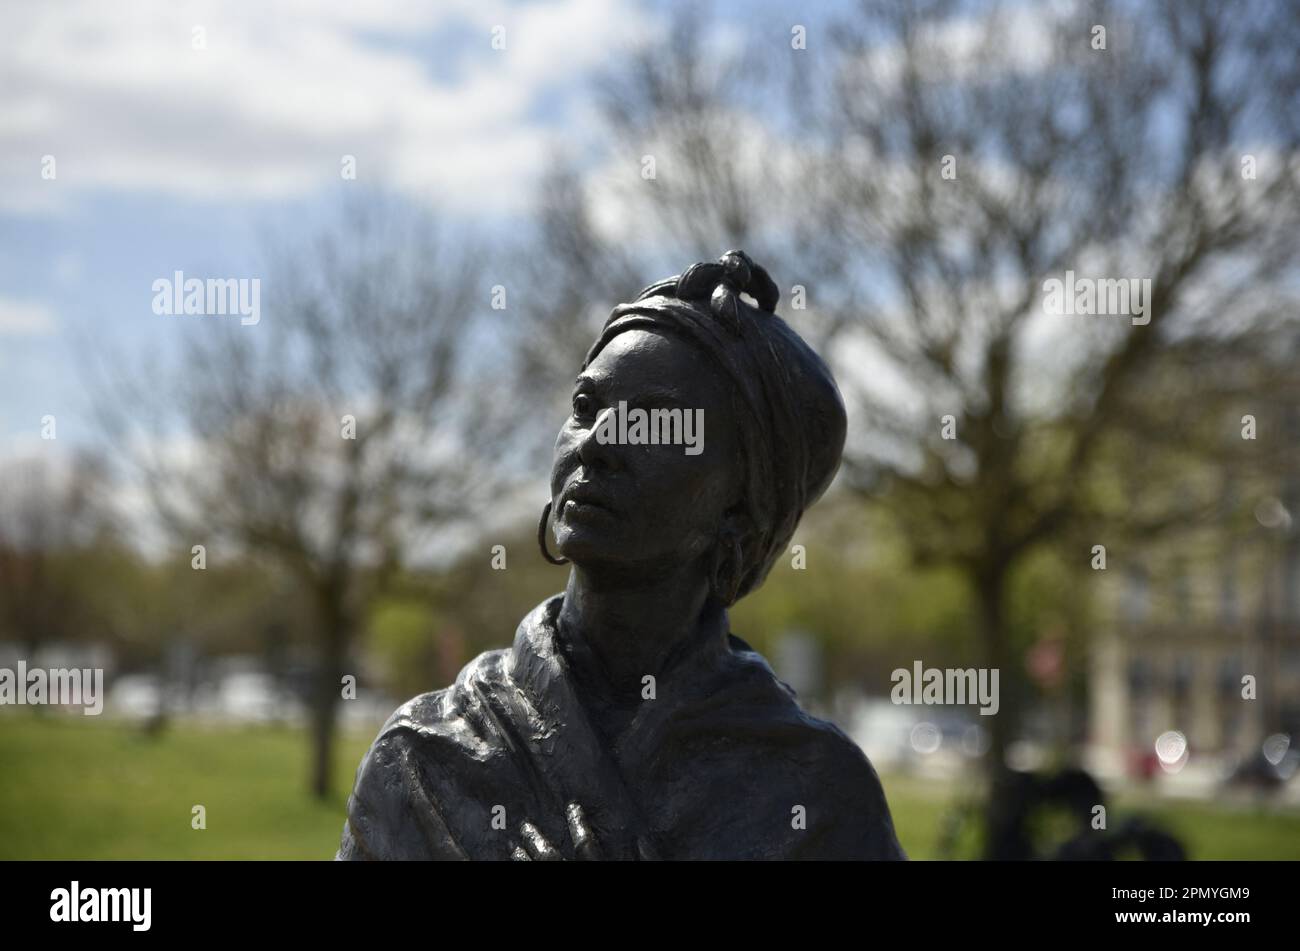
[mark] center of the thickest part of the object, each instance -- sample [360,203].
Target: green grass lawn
[95,789]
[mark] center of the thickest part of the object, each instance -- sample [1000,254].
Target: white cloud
[25,318]
[981,45]
[122,99]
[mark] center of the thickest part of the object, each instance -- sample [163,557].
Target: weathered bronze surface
[627,721]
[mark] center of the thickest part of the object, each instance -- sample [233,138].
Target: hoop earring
[541,537]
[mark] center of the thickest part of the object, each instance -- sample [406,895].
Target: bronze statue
[627,721]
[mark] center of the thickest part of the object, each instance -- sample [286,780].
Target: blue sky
[178,130]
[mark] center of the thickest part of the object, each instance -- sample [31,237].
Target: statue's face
[639,507]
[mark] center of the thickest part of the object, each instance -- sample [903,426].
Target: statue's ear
[728,567]
[733,550]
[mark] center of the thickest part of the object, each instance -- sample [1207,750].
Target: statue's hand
[535,848]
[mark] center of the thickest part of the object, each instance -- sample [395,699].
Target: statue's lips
[584,496]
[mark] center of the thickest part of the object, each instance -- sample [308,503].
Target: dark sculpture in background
[627,721]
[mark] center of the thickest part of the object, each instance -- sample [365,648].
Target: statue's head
[645,492]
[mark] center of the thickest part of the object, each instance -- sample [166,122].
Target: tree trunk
[990,591]
[990,597]
[326,692]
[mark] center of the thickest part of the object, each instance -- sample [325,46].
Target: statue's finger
[519,855]
[536,844]
[584,841]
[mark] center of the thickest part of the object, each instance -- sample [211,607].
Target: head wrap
[791,416]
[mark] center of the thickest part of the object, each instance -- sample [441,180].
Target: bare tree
[331,439]
[1116,163]
[924,170]
[573,278]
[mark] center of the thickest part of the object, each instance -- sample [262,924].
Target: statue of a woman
[627,721]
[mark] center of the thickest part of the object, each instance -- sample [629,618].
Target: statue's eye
[584,407]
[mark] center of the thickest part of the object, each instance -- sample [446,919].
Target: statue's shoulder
[442,713]
[832,769]
[390,811]
[438,706]
[748,673]
[825,744]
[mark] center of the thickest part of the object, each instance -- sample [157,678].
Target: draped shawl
[721,764]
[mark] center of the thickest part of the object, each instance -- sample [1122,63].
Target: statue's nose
[600,456]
